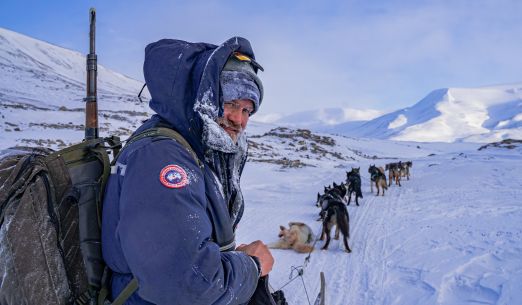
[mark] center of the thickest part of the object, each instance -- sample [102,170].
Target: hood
[183,80]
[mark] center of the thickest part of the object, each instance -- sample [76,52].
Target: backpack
[50,222]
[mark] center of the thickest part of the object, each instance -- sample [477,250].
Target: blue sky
[382,55]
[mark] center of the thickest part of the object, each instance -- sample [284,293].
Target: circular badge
[173,176]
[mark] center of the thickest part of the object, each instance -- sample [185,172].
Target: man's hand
[259,250]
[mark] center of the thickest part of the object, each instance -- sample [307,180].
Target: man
[170,211]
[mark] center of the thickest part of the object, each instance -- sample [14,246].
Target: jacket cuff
[258,265]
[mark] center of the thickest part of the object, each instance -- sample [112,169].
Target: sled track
[361,282]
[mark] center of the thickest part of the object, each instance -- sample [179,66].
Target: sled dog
[298,236]
[336,214]
[353,180]
[378,178]
[337,191]
[405,169]
[394,173]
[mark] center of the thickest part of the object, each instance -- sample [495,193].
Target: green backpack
[50,222]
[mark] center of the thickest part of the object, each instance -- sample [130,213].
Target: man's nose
[235,116]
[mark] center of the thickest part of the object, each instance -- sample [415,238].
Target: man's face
[235,117]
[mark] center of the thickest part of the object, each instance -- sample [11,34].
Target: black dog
[337,192]
[336,214]
[353,179]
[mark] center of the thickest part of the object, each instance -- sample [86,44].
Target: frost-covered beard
[233,130]
[213,136]
[216,138]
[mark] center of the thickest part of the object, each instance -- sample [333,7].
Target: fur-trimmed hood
[183,80]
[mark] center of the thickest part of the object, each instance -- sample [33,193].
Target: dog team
[299,236]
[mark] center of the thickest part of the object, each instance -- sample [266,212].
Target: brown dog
[394,173]
[298,236]
[378,178]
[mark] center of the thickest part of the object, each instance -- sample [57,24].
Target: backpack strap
[131,287]
[165,133]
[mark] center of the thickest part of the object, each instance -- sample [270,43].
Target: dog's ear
[282,228]
[334,184]
[318,196]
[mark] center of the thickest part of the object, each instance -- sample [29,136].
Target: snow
[398,122]
[452,234]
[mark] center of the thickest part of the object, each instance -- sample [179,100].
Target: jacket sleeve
[165,234]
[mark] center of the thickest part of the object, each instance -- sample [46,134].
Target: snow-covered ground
[452,234]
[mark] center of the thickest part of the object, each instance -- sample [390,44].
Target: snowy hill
[42,87]
[447,115]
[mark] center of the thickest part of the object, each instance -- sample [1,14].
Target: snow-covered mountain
[483,114]
[42,87]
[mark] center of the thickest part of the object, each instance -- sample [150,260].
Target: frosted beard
[217,138]
[233,130]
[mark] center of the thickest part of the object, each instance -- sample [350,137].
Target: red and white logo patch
[173,176]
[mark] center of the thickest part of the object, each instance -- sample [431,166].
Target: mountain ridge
[482,114]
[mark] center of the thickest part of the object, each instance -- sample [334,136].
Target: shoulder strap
[167,133]
[126,292]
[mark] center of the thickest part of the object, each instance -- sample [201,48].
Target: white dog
[298,236]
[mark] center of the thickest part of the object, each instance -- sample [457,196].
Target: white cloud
[351,114]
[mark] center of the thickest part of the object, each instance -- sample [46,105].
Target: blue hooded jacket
[166,220]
